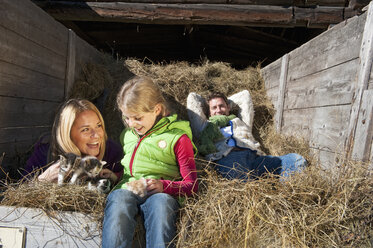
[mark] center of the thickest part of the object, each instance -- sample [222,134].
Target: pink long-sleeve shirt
[187,166]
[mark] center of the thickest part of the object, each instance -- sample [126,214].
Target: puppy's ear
[103,163]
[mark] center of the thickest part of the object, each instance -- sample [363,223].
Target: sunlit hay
[51,198]
[311,209]
[178,79]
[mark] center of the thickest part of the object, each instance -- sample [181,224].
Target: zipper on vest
[138,144]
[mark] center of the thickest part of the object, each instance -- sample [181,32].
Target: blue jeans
[237,164]
[159,212]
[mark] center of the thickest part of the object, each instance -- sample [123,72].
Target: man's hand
[154,186]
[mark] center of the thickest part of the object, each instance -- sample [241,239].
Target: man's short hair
[217,94]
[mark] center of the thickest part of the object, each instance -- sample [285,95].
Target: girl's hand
[106,173]
[51,174]
[154,186]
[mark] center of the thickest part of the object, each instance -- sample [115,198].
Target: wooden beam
[365,66]
[281,94]
[200,14]
[250,2]
[303,3]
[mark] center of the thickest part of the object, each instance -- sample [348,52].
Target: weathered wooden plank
[328,160]
[21,134]
[85,53]
[324,16]
[26,19]
[70,67]
[217,14]
[21,112]
[370,83]
[329,49]
[17,81]
[324,127]
[251,2]
[16,49]
[273,95]
[271,74]
[364,128]
[366,57]
[332,86]
[72,230]
[281,93]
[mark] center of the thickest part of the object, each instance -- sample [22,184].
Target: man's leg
[292,163]
[237,164]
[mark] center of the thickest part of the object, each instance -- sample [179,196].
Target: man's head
[218,104]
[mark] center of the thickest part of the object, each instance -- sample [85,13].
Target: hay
[312,209]
[177,80]
[53,198]
[100,83]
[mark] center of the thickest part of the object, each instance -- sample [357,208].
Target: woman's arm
[185,158]
[113,168]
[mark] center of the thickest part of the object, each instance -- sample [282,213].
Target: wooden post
[364,128]
[70,63]
[366,57]
[281,94]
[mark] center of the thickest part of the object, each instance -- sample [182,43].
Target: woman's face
[87,133]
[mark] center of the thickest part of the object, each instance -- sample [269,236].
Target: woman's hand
[51,174]
[154,186]
[106,173]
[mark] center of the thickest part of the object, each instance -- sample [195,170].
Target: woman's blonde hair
[61,142]
[140,95]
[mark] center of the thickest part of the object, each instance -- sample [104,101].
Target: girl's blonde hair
[61,142]
[141,95]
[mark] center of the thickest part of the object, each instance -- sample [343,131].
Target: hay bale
[313,209]
[50,197]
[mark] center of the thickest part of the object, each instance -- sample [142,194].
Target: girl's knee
[162,201]
[119,196]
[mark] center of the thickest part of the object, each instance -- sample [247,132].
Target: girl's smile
[141,122]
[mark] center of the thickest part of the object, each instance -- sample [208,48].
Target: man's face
[218,106]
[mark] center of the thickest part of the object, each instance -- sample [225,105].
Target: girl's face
[141,122]
[87,133]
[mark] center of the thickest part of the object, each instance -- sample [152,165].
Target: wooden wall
[323,90]
[38,58]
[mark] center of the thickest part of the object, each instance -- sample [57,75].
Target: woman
[78,128]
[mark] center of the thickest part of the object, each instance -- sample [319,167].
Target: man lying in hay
[227,139]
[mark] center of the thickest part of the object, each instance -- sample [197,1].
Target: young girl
[158,148]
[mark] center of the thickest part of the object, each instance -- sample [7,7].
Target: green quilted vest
[152,155]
